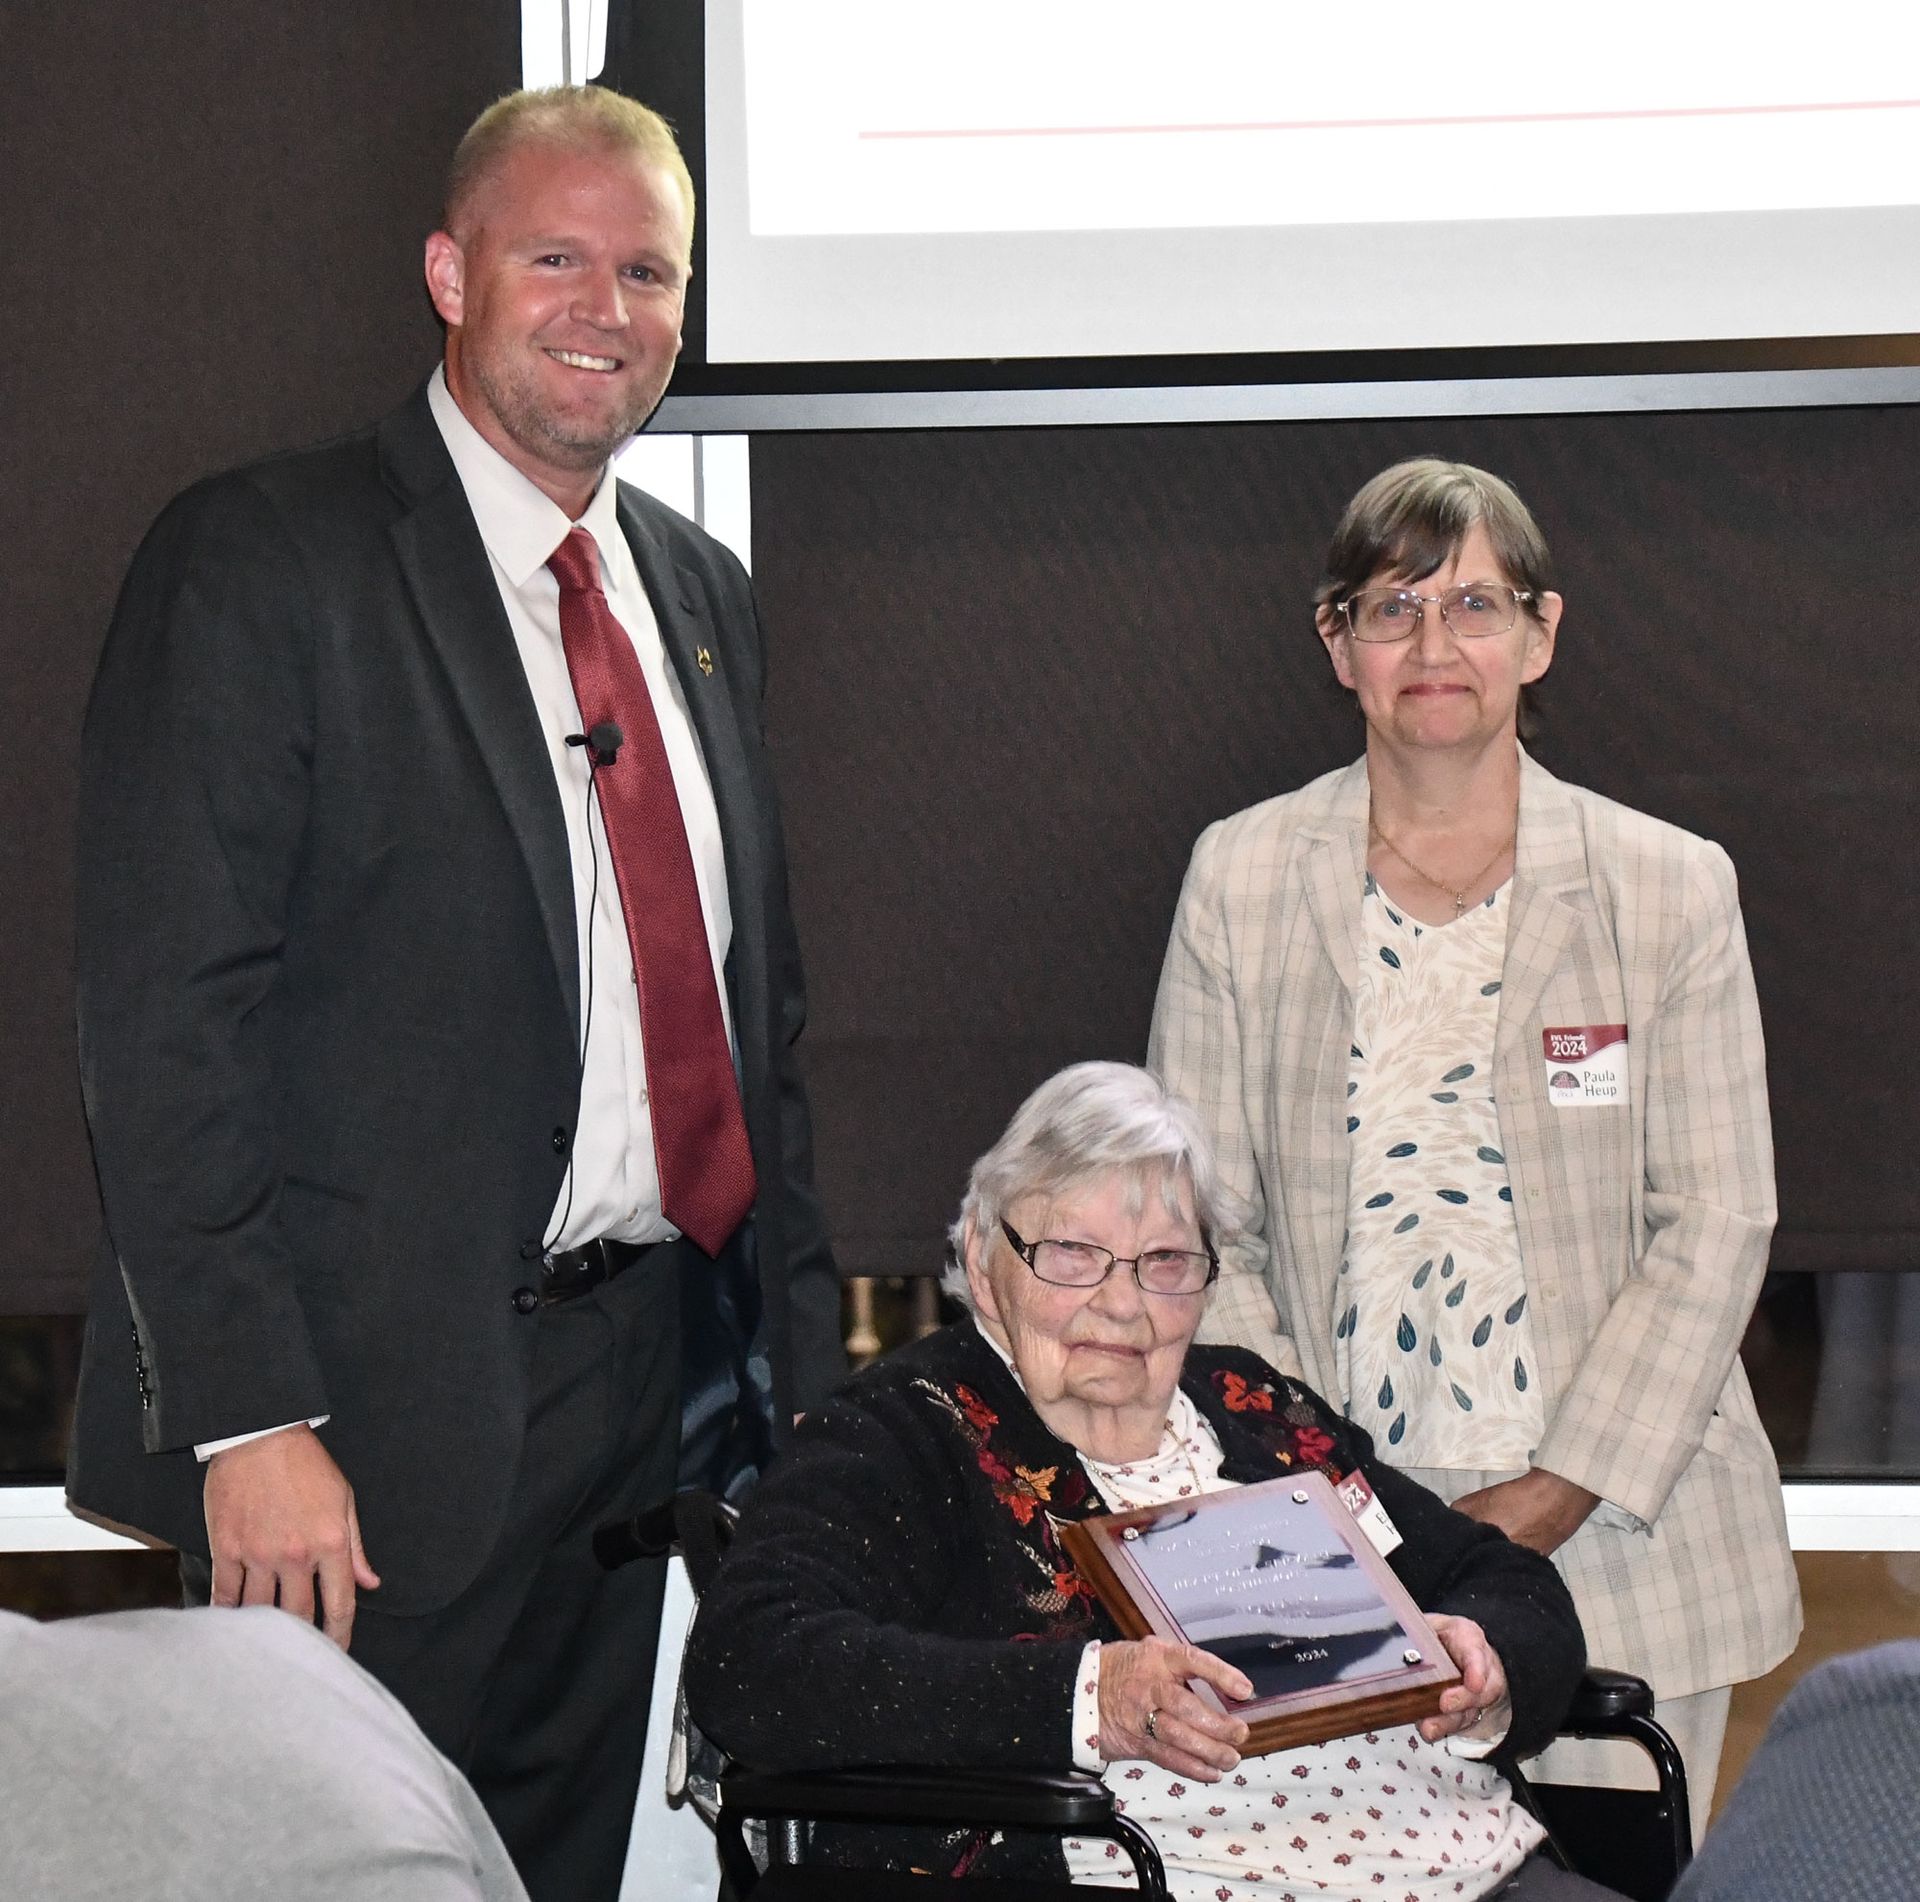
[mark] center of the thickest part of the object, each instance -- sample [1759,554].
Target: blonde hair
[575,117]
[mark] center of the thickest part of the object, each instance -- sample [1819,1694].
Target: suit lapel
[699,659]
[448,573]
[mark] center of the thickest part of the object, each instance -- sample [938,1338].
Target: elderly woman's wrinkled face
[1110,1346]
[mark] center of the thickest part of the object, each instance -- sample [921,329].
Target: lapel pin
[704,661]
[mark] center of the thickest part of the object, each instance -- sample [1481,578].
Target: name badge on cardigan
[1586,1065]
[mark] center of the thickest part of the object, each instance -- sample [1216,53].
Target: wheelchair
[1635,1841]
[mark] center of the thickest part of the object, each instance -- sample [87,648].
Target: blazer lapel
[1549,872]
[699,659]
[446,569]
[1312,1060]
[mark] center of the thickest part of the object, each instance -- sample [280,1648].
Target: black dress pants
[535,1680]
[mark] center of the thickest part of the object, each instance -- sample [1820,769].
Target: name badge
[1358,1498]
[1586,1065]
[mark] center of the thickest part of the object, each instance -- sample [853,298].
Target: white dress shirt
[612,1187]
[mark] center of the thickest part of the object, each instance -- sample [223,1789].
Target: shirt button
[560,1142]
[525,1300]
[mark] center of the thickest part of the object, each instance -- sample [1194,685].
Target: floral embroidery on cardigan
[1295,1425]
[1026,1492]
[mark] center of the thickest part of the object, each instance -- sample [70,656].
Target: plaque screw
[1129,1532]
[1409,1656]
[1300,1499]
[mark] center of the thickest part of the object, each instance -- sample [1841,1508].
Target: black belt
[567,1273]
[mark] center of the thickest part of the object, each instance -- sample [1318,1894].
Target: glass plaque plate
[1280,1581]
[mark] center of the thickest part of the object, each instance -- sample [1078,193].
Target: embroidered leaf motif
[1489,1155]
[1406,1222]
[1446,1268]
[1352,1088]
[1387,956]
[1421,1273]
[1398,1431]
[1458,1074]
[1353,1049]
[1041,1481]
[1506,1195]
[1457,1293]
[1353,1123]
[1405,1335]
[1386,1394]
[1455,1196]
[1433,1349]
[1487,990]
[1446,1096]
[1514,1312]
[1484,1332]
[1394,915]
[1466,1405]
[1404,1149]
[1519,1373]
[1381,1200]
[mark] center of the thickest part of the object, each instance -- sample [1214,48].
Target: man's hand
[1479,1705]
[280,1521]
[1539,1509]
[1145,1681]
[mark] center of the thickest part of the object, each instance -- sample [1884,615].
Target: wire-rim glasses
[1065,1264]
[1472,609]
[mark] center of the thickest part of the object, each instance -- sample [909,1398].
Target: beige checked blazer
[1643,1228]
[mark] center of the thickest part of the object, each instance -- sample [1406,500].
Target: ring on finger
[1152,1726]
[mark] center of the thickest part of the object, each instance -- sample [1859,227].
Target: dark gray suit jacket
[329,1010]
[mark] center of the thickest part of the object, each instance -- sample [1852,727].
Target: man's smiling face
[562,293]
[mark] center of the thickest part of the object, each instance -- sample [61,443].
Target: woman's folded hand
[1478,1707]
[1147,1709]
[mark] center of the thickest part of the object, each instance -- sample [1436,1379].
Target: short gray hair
[1091,1120]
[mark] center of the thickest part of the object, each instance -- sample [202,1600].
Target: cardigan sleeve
[837,1630]
[1454,1564]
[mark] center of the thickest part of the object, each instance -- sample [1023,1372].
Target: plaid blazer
[1644,1228]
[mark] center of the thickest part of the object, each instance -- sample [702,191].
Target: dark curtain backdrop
[1016,672]
[212,213]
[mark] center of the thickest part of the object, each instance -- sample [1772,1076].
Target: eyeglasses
[1473,610]
[1086,1265]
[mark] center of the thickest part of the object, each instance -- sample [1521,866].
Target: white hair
[1088,1121]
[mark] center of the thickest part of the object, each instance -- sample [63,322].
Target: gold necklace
[1440,885]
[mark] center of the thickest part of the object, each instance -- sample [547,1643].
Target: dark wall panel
[1017,672]
[212,215]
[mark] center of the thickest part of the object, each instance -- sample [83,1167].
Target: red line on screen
[1383,125]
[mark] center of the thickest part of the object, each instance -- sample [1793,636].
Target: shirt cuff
[206,1449]
[1086,1712]
[1475,1748]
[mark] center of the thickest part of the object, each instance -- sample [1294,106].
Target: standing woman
[1482,1051]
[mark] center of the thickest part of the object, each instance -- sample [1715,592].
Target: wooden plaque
[1280,1581]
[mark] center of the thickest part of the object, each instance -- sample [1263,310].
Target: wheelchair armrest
[1030,1799]
[1605,1698]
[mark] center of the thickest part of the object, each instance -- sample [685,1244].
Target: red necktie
[699,1135]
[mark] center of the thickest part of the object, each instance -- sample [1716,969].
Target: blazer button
[525,1300]
[560,1141]
[530,1251]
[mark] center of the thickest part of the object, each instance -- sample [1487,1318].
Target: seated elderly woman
[898,1591]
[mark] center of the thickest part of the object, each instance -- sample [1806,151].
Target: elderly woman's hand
[1478,1707]
[1146,1709]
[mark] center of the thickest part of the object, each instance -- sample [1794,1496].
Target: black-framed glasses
[1473,609]
[1087,1264]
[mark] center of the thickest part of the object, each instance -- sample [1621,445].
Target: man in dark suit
[438,995]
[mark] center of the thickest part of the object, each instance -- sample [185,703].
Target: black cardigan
[897,1593]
